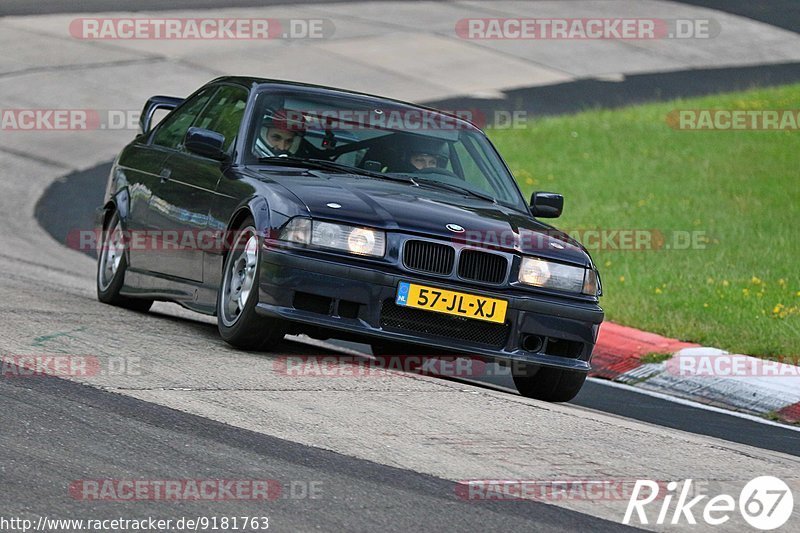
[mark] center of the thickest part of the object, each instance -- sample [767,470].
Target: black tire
[549,384]
[246,330]
[109,282]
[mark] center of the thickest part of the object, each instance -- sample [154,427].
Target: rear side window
[224,113]
[173,128]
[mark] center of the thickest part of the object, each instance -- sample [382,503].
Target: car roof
[249,81]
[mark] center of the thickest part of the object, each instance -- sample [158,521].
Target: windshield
[418,146]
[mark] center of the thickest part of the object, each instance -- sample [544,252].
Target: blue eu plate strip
[402,293]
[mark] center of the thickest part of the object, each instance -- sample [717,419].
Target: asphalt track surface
[781,13]
[26,7]
[350,494]
[55,431]
[75,197]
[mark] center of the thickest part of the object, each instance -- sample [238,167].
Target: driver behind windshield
[280,134]
[421,154]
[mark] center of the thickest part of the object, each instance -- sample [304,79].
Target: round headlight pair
[343,237]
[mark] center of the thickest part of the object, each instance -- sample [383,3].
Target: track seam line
[83,66]
[183,389]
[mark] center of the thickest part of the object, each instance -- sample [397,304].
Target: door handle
[165,174]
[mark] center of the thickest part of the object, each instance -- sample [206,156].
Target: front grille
[429,257]
[481,266]
[405,319]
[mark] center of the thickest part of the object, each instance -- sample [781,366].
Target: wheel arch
[255,208]
[119,202]
[107,211]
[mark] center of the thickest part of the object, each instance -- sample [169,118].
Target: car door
[149,159]
[183,197]
[135,174]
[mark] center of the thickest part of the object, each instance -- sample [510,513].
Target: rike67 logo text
[765,503]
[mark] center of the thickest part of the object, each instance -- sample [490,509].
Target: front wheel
[237,321]
[549,384]
[111,266]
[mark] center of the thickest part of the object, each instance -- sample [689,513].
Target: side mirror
[206,143]
[546,204]
[155,103]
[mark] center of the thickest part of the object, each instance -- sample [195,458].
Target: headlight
[297,230]
[363,241]
[352,239]
[541,273]
[590,284]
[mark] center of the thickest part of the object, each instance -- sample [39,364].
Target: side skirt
[190,294]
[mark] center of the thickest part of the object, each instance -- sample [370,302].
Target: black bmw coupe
[283,207]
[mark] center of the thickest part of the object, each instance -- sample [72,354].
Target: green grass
[628,168]
[655,357]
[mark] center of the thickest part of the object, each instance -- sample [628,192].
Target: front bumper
[359,301]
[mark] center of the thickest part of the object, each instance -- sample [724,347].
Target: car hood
[398,206]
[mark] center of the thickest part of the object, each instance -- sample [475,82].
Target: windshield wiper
[319,164]
[456,188]
[324,164]
[362,171]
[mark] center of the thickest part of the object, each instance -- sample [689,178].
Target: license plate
[451,302]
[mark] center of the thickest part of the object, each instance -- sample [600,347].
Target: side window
[224,113]
[172,129]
